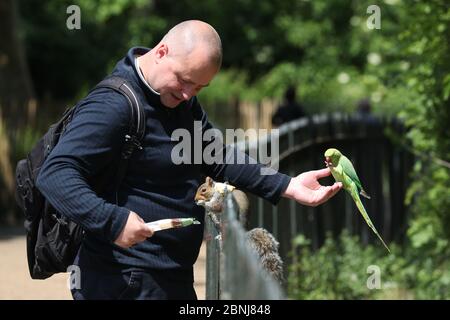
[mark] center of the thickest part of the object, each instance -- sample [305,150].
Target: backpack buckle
[130,144]
[133,141]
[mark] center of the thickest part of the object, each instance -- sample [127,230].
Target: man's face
[180,77]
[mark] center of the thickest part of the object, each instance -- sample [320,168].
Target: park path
[16,284]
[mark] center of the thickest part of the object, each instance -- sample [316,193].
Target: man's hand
[135,231]
[306,189]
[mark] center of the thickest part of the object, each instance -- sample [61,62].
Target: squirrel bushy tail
[265,244]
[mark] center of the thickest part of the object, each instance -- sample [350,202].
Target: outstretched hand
[306,189]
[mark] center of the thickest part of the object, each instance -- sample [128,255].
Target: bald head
[191,35]
[183,62]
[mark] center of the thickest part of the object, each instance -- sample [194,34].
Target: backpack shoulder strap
[136,131]
[137,120]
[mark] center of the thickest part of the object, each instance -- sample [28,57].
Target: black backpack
[52,239]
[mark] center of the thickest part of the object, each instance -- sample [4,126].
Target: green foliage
[345,269]
[65,63]
[430,227]
[323,47]
[312,44]
[426,44]
[234,82]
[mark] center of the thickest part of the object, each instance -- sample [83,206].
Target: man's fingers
[329,192]
[322,173]
[334,189]
[146,231]
[337,186]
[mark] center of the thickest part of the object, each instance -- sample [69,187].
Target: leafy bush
[344,269]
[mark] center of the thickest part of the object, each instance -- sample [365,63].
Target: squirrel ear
[209,181]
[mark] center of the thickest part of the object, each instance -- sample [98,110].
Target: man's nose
[188,92]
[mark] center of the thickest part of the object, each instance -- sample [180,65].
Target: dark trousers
[97,283]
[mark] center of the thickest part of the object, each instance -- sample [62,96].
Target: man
[120,257]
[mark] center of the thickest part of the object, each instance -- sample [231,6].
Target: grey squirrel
[211,196]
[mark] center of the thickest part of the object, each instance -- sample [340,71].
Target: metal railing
[233,270]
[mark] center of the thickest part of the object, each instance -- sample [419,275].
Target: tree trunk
[17,102]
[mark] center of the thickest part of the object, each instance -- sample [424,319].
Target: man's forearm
[67,191]
[245,173]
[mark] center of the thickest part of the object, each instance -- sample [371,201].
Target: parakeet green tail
[363,211]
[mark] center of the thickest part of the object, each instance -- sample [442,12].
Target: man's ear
[161,51]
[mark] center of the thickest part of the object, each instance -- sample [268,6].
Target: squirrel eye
[203,189]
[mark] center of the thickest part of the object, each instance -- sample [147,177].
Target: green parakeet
[342,170]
